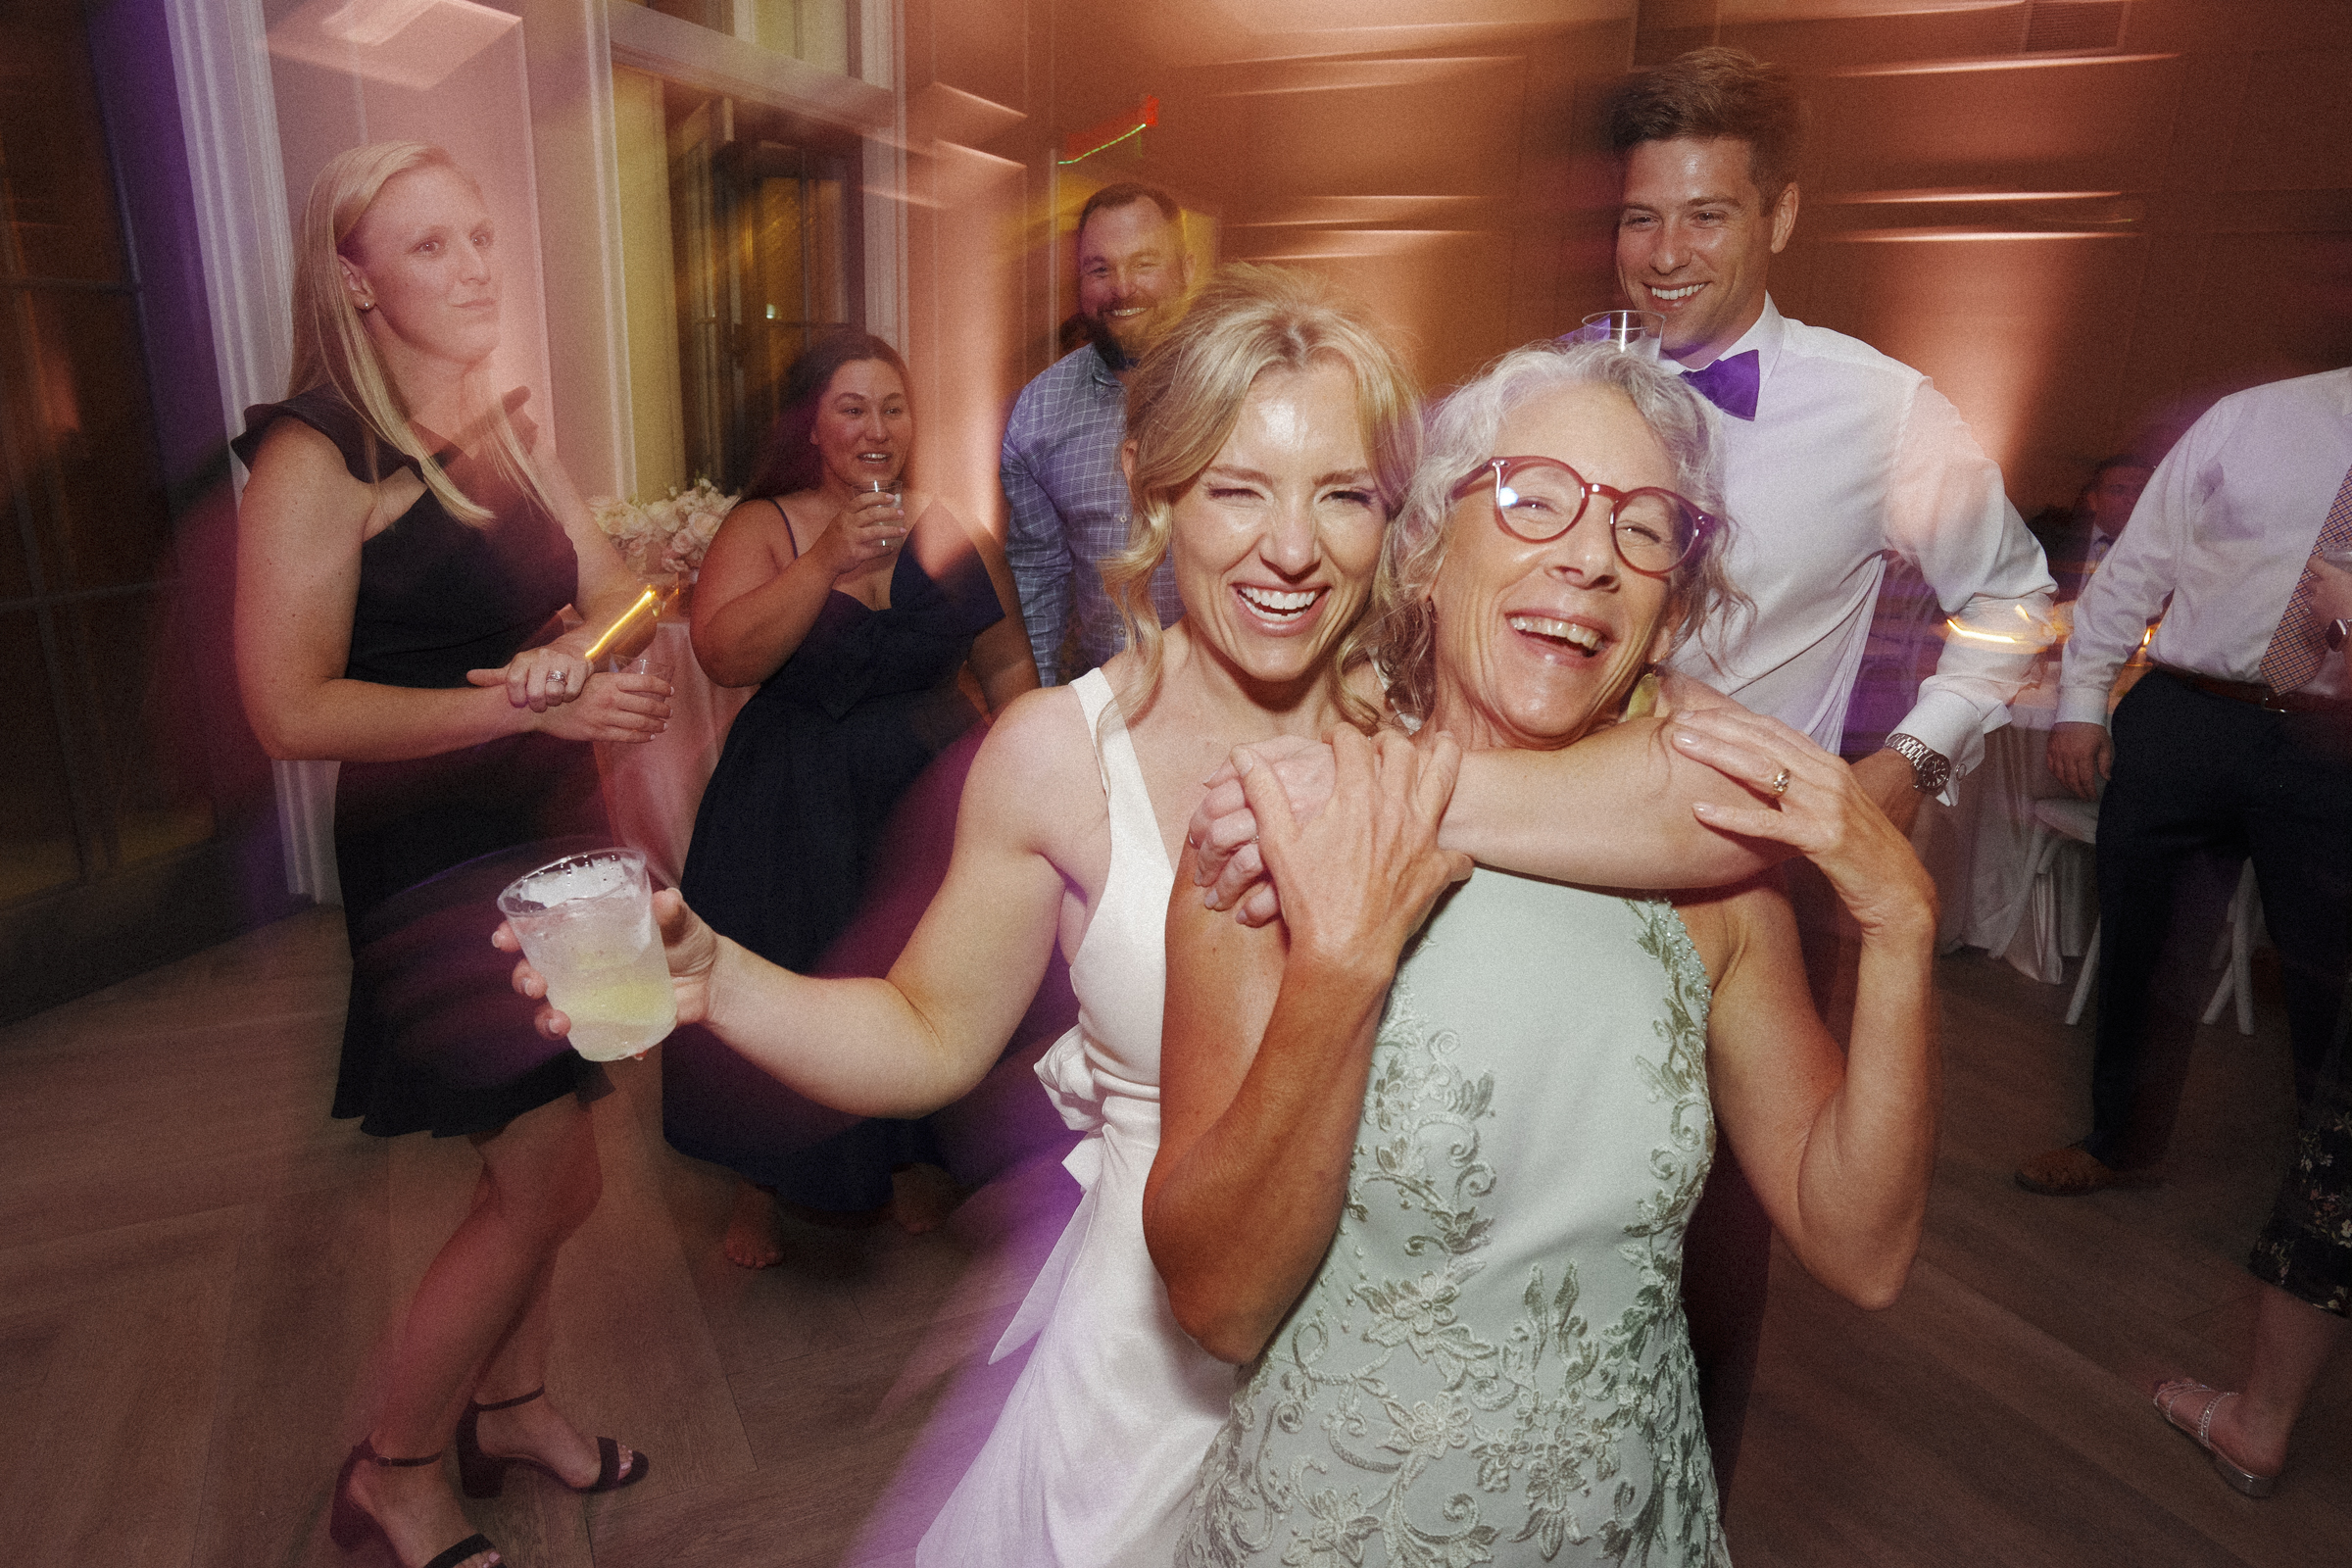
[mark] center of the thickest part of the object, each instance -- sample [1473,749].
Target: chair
[2056,821]
[2245,929]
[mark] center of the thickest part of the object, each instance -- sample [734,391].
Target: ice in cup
[586,923]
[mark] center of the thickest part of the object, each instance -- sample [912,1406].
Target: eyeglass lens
[1541,499]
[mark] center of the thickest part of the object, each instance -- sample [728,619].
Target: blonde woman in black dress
[403,544]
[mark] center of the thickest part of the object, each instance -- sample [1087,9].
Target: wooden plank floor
[196,1267]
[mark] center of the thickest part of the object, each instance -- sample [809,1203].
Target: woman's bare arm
[300,527]
[1267,1042]
[756,596]
[1618,809]
[1615,809]
[1839,1145]
[921,1038]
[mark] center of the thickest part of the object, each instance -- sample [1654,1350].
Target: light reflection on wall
[2003,320]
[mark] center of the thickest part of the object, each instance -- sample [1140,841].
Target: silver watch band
[1930,770]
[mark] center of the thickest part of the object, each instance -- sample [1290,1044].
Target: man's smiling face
[1694,240]
[1132,274]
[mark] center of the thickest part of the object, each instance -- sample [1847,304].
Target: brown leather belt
[2256,695]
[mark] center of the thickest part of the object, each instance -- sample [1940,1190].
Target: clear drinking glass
[1631,331]
[586,923]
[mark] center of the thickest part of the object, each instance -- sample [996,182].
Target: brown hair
[1126,194]
[1715,92]
[786,461]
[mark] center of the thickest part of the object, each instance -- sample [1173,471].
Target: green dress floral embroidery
[1492,1365]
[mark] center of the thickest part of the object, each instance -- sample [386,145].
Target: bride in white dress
[1270,437]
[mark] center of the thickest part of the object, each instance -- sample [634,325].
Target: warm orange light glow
[648,605]
[1882,198]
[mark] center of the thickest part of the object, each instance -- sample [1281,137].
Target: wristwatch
[1930,770]
[2336,631]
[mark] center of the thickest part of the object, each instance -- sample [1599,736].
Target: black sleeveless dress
[433,1037]
[785,843]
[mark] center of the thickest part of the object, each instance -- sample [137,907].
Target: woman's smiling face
[1537,641]
[1275,543]
[864,429]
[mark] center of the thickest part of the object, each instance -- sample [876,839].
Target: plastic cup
[586,923]
[1628,332]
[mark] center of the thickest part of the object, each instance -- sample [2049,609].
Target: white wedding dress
[1091,1462]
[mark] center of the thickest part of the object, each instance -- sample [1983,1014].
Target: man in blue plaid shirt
[1061,462]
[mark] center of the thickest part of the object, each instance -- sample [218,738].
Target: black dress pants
[2201,783]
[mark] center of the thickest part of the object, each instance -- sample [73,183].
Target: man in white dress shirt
[1835,457]
[2238,743]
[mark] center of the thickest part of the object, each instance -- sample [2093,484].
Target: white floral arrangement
[666,538]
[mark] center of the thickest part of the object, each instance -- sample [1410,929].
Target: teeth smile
[1584,637]
[1683,293]
[1282,605]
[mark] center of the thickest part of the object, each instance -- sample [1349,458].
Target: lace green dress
[1492,1365]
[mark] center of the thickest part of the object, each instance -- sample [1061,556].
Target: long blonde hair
[1186,397]
[332,346]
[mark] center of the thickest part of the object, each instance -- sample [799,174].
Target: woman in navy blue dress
[405,546]
[865,612]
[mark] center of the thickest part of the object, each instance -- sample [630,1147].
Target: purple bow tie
[1730,383]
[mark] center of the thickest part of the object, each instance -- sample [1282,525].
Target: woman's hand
[1358,878]
[1817,808]
[1223,831]
[626,709]
[870,526]
[690,946]
[540,679]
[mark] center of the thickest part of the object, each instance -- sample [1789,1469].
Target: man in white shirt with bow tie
[1834,456]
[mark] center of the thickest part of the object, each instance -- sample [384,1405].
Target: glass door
[763,247]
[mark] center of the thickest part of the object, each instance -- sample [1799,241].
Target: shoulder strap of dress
[323,409]
[1134,826]
[790,537]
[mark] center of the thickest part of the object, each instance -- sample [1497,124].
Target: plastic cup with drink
[586,925]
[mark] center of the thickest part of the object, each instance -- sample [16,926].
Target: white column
[221,65]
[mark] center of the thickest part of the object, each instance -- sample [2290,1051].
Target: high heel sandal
[350,1523]
[483,1474]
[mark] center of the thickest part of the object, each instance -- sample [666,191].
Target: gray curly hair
[1400,625]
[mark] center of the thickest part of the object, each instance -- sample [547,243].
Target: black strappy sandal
[483,1474]
[350,1523]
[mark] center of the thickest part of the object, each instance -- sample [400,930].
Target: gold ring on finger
[1780,784]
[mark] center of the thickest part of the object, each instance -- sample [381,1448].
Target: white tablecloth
[652,791]
[1979,850]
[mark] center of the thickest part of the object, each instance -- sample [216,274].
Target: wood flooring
[196,1267]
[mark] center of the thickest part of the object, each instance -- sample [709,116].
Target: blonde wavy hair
[1185,399]
[1400,629]
[332,346]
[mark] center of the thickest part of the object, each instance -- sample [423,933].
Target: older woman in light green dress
[1436,1206]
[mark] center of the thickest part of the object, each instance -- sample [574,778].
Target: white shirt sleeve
[2132,583]
[1947,510]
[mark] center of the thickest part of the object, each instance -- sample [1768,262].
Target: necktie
[1731,383]
[2296,647]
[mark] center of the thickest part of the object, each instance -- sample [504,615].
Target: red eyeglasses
[1539,499]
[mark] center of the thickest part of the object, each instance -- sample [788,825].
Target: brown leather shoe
[2073,1172]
